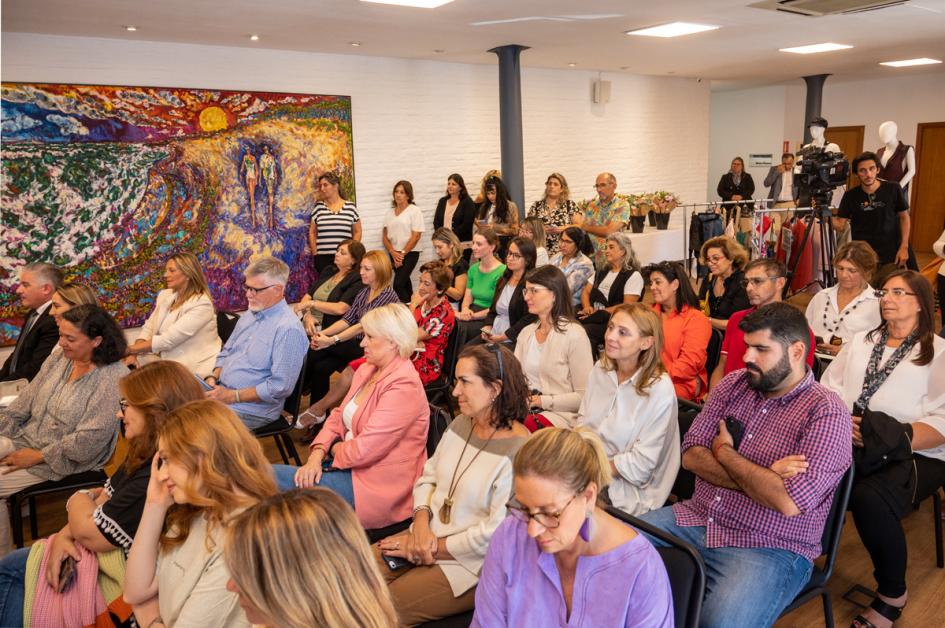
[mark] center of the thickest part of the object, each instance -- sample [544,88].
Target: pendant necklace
[446,510]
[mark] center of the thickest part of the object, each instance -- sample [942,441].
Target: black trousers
[880,528]
[328,361]
[323,261]
[596,325]
[402,284]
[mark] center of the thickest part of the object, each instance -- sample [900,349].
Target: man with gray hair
[39,334]
[604,215]
[258,366]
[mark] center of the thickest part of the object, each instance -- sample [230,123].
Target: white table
[653,245]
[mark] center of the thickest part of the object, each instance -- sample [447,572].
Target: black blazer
[518,310]
[727,188]
[346,291]
[463,218]
[36,347]
[734,297]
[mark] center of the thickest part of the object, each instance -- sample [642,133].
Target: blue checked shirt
[265,351]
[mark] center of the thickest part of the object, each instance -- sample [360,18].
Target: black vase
[651,217]
[662,222]
[637,223]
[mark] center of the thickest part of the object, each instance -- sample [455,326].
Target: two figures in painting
[251,170]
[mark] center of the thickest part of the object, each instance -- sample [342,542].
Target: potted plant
[638,210]
[663,203]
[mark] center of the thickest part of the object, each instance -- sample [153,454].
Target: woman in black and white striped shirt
[334,220]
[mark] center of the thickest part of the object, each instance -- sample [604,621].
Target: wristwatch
[336,339]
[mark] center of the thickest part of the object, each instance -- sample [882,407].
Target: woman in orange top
[686,330]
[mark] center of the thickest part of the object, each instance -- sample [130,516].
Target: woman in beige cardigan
[555,352]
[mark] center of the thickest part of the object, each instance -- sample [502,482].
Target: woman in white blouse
[403,226]
[555,352]
[897,369]
[631,403]
[183,325]
[838,312]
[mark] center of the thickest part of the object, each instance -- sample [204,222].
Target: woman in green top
[483,276]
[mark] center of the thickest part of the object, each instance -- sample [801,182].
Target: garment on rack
[704,227]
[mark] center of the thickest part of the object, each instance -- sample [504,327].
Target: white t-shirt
[634,285]
[532,364]
[400,228]
[347,417]
[501,321]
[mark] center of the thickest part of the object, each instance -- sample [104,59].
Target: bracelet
[419,508]
[238,395]
[318,446]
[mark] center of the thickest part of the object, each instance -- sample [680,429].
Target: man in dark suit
[39,334]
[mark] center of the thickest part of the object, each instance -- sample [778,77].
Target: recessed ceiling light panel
[419,4]
[815,48]
[674,29]
[910,62]
[131,29]
[254,37]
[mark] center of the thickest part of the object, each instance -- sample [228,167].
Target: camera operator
[878,213]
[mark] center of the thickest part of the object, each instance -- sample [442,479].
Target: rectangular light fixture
[909,62]
[418,4]
[814,48]
[674,29]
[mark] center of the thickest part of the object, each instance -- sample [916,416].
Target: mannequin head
[888,132]
[817,127]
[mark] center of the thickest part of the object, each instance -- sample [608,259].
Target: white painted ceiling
[588,33]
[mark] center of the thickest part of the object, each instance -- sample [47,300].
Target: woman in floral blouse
[435,318]
[554,209]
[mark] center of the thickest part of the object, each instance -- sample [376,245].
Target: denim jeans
[338,481]
[252,421]
[745,587]
[12,585]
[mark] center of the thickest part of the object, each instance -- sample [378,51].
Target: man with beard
[764,284]
[768,451]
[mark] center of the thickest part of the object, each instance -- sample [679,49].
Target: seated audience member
[183,325]
[723,291]
[837,313]
[435,320]
[890,378]
[259,365]
[617,283]
[482,278]
[39,334]
[607,213]
[447,248]
[340,343]
[764,284]
[456,212]
[403,226]
[373,446]
[481,196]
[533,229]
[631,404]
[63,422]
[686,330]
[576,266]
[334,291]
[558,533]
[555,210]
[761,501]
[68,296]
[554,351]
[208,468]
[300,559]
[461,497]
[499,213]
[508,314]
[103,520]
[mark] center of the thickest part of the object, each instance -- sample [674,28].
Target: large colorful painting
[108,181]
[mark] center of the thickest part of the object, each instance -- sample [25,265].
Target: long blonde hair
[649,363]
[197,285]
[575,457]
[302,559]
[222,457]
[77,293]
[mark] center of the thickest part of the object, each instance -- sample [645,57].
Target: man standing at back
[604,215]
[39,334]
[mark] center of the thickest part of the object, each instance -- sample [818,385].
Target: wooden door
[928,186]
[850,141]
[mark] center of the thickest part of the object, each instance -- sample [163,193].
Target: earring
[587,528]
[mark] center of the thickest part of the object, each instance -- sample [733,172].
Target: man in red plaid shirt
[768,449]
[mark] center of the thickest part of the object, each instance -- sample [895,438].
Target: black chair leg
[285,458]
[16,521]
[290,448]
[34,519]
[828,608]
[937,516]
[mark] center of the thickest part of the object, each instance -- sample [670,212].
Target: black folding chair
[226,322]
[281,429]
[441,389]
[714,351]
[685,484]
[72,483]
[684,567]
[830,546]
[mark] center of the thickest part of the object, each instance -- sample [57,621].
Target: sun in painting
[213,118]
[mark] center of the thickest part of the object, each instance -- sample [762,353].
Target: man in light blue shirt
[258,366]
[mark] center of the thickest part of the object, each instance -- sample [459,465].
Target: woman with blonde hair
[554,209]
[68,296]
[448,250]
[300,559]
[183,325]
[631,404]
[208,468]
[558,520]
[534,229]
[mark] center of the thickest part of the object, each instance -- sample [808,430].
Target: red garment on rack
[804,272]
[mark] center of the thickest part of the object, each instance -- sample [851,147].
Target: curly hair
[94,322]
[495,364]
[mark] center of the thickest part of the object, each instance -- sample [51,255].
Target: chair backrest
[820,365]
[439,421]
[833,526]
[714,350]
[685,484]
[451,354]
[226,322]
[293,403]
[684,567]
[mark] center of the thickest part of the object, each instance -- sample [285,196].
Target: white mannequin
[888,135]
[818,139]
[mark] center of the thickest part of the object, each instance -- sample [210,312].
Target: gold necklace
[446,510]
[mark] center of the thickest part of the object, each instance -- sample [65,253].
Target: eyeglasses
[549,520]
[254,291]
[122,406]
[511,255]
[757,281]
[896,292]
[533,290]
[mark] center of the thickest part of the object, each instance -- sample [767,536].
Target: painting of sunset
[108,181]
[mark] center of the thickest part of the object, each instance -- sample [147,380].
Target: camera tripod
[818,215]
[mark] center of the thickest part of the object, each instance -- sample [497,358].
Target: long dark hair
[673,270]
[458,179]
[926,323]
[529,255]
[495,364]
[501,201]
[551,277]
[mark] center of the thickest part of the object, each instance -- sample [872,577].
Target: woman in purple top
[560,559]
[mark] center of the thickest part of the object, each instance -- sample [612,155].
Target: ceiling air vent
[819,8]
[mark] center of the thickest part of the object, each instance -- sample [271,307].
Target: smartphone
[395,562]
[736,429]
[205,385]
[66,573]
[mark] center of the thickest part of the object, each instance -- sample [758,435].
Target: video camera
[818,173]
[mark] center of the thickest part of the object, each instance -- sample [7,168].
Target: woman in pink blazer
[372,447]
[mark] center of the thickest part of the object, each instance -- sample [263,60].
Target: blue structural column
[510,121]
[815,99]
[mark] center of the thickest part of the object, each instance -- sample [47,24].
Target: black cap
[818,121]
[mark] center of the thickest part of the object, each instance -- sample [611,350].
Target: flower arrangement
[663,202]
[638,204]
